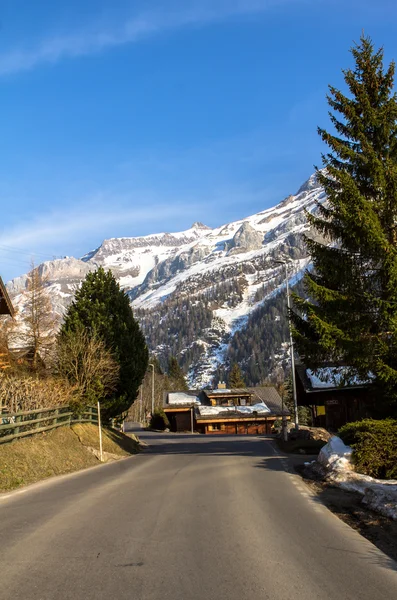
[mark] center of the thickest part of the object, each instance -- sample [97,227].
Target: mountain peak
[203,284]
[199,225]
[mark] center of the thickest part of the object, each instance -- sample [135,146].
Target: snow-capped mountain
[196,291]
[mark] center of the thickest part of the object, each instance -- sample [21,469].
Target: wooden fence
[22,424]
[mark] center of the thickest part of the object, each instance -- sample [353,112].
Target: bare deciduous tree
[36,326]
[87,364]
[6,326]
[143,404]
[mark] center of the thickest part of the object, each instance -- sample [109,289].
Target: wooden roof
[301,372]
[266,394]
[6,307]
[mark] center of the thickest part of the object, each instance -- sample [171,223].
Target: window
[216,427]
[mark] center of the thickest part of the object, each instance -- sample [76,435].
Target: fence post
[38,416]
[55,419]
[17,420]
[100,432]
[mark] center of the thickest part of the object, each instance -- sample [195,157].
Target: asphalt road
[194,517]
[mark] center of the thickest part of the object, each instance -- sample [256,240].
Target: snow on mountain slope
[193,290]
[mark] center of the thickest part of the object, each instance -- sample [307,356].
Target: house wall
[342,405]
[239,428]
[345,409]
[180,421]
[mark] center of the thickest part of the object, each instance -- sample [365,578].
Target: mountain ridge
[219,276]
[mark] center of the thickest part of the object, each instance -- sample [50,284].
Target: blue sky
[123,118]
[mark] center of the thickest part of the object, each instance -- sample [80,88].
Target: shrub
[87,364]
[374,446]
[159,419]
[24,392]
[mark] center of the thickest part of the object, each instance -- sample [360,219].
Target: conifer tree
[236,380]
[176,375]
[103,309]
[352,315]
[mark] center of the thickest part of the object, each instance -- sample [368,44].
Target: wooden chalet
[6,307]
[249,411]
[333,400]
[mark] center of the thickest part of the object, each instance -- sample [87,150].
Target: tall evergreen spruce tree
[176,374]
[236,380]
[352,317]
[103,309]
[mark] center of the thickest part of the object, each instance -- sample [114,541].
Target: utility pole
[291,342]
[100,432]
[152,365]
[140,405]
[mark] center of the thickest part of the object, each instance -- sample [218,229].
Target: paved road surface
[194,518]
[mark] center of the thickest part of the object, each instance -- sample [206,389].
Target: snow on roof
[182,398]
[332,377]
[260,409]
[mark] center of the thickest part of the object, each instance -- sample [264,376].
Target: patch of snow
[330,377]
[378,494]
[182,398]
[335,455]
[259,408]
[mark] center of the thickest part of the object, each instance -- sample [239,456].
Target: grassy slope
[59,451]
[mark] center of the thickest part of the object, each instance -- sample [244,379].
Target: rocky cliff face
[194,291]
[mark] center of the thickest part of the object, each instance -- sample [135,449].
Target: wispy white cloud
[94,40]
[62,229]
[82,227]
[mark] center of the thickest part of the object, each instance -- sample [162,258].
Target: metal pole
[140,404]
[292,351]
[283,419]
[191,418]
[151,365]
[100,432]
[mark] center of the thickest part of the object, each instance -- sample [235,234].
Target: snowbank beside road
[379,495]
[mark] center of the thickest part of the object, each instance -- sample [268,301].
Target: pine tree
[352,315]
[236,380]
[176,375]
[103,309]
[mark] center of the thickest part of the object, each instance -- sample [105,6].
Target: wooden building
[6,307]
[333,399]
[180,409]
[249,411]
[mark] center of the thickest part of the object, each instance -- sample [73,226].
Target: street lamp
[152,365]
[285,263]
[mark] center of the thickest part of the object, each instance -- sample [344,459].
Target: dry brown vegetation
[82,371]
[85,362]
[143,404]
[21,391]
[35,328]
[63,450]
